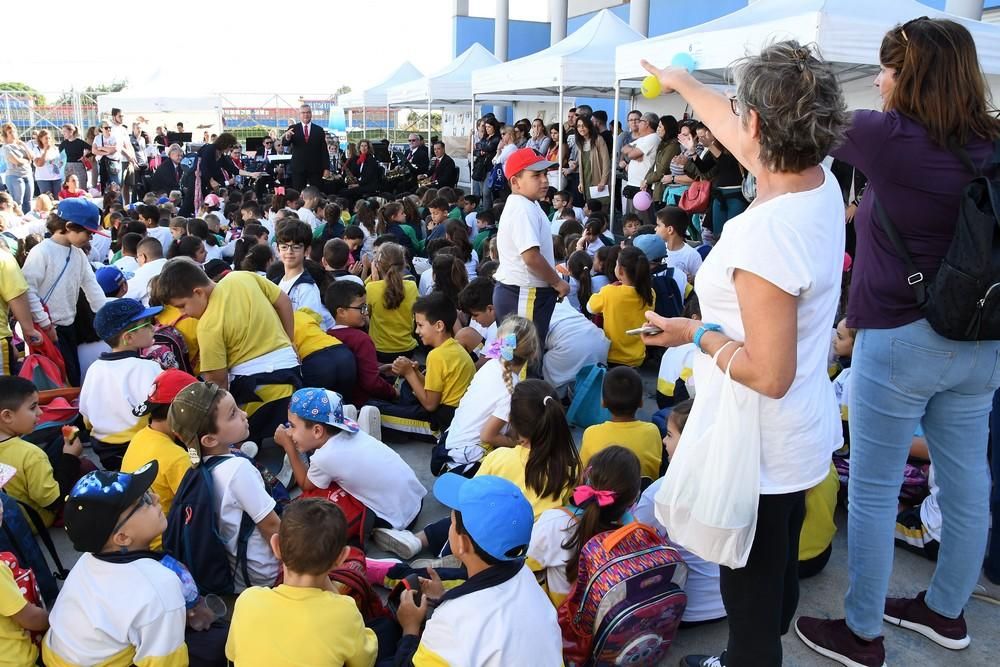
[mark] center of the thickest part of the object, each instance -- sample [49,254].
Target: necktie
[305,129]
[177,173]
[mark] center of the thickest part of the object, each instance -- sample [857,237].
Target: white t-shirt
[426,283]
[211,251]
[163,235]
[100,141]
[930,510]
[307,216]
[573,342]
[553,529]
[138,286]
[486,397]
[371,472]
[50,170]
[686,259]
[100,248]
[472,265]
[306,295]
[522,226]
[489,333]
[794,241]
[239,488]
[637,169]
[127,265]
[557,222]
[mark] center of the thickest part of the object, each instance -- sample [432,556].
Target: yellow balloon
[651,87]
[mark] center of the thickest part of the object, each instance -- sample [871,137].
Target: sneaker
[444,563]
[987,591]
[377,569]
[704,660]
[914,614]
[403,543]
[370,421]
[834,640]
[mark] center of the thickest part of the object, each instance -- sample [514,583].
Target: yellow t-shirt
[641,438]
[290,625]
[818,527]
[623,309]
[12,285]
[449,371]
[391,330]
[188,329]
[34,483]
[151,445]
[16,648]
[309,335]
[509,463]
[240,323]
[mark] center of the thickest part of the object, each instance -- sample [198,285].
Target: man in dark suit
[168,175]
[443,172]
[417,157]
[310,160]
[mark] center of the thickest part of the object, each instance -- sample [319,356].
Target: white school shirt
[686,259]
[486,397]
[239,488]
[163,235]
[127,265]
[425,285]
[308,217]
[100,248]
[522,226]
[930,510]
[794,241]
[489,333]
[306,295]
[553,529]
[138,284]
[114,388]
[573,342]
[371,472]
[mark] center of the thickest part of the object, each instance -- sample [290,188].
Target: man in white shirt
[527,282]
[641,154]
[149,255]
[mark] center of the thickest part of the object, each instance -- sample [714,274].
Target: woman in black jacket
[207,174]
[482,154]
[365,171]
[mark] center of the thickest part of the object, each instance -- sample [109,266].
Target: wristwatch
[702,330]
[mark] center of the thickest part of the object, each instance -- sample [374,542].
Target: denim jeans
[991,567]
[21,189]
[49,187]
[902,378]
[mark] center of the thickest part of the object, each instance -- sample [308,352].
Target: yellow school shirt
[623,310]
[449,371]
[34,483]
[151,445]
[641,438]
[188,329]
[291,625]
[818,527]
[12,285]
[391,330]
[309,335]
[509,463]
[16,649]
[240,323]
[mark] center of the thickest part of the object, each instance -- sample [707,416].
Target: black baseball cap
[98,499]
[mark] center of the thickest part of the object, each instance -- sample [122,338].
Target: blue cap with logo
[651,245]
[83,212]
[115,316]
[97,500]
[321,405]
[110,278]
[495,513]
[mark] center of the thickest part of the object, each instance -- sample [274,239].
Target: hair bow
[507,345]
[279,190]
[583,494]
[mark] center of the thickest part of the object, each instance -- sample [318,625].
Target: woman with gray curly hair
[769,292]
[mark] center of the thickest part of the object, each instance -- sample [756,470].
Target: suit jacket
[444,172]
[419,158]
[369,175]
[166,177]
[309,157]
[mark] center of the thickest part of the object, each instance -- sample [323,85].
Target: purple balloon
[642,200]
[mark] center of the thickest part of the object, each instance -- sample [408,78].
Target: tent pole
[472,143]
[613,149]
[561,138]
[364,122]
[429,147]
[387,138]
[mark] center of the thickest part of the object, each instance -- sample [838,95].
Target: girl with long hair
[449,276]
[391,299]
[580,265]
[457,232]
[624,307]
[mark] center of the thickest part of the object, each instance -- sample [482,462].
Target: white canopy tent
[196,111]
[377,95]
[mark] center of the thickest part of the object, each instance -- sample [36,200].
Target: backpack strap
[43,533]
[915,278]
[613,538]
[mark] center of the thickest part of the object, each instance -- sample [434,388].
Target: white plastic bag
[708,500]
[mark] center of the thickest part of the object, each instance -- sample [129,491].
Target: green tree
[17,86]
[113,87]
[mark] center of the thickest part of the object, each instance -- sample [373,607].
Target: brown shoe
[834,640]
[914,614]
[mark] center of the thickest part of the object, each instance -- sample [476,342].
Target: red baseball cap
[165,388]
[525,158]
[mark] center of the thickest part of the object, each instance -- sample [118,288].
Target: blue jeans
[49,187]
[21,189]
[991,566]
[903,378]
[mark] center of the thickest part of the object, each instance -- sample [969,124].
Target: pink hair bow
[279,190]
[583,494]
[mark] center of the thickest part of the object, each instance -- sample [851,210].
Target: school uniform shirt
[425,284]
[240,325]
[572,343]
[391,330]
[795,242]
[138,284]
[818,527]
[100,249]
[163,235]
[303,293]
[43,271]
[12,285]
[526,228]
[211,251]
[685,259]
[842,391]
[309,336]
[489,333]
[16,647]
[487,397]
[371,472]
[127,265]
[449,371]
[623,310]
[117,614]
[116,384]
[509,463]
[677,363]
[152,445]
[293,625]
[641,438]
[308,217]
[34,483]
[553,529]
[370,383]
[239,489]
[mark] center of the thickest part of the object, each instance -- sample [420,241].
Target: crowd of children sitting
[312,330]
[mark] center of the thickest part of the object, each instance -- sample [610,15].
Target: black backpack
[669,299]
[192,534]
[961,301]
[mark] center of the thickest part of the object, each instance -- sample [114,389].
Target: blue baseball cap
[321,405]
[115,316]
[110,278]
[98,499]
[495,513]
[652,246]
[83,212]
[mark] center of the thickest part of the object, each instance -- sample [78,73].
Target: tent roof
[376,96]
[145,100]
[582,64]
[451,85]
[848,33]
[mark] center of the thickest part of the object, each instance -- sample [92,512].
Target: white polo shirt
[522,226]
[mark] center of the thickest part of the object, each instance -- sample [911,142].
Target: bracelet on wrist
[702,330]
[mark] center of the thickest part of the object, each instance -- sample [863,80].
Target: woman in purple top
[905,374]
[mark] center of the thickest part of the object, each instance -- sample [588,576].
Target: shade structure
[377,95]
[451,85]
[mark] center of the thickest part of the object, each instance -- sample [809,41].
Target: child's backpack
[16,538]
[351,578]
[25,580]
[627,601]
[587,408]
[359,519]
[169,349]
[192,535]
[669,299]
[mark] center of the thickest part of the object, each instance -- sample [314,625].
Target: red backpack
[28,585]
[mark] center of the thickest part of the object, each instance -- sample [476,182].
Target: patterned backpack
[169,349]
[627,601]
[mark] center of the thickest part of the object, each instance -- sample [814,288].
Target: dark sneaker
[834,640]
[704,660]
[914,614]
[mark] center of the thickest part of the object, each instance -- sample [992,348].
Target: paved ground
[820,596]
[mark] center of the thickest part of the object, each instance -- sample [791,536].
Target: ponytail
[450,277]
[635,265]
[537,415]
[385,216]
[457,232]
[580,265]
[391,259]
[525,346]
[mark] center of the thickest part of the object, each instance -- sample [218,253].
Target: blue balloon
[683,59]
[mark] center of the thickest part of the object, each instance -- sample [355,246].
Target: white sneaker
[987,591]
[370,421]
[285,475]
[403,543]
[350,412]
[445,562]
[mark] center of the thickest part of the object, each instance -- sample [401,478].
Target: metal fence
[35,111]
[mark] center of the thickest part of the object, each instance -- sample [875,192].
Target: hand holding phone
[646,329]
